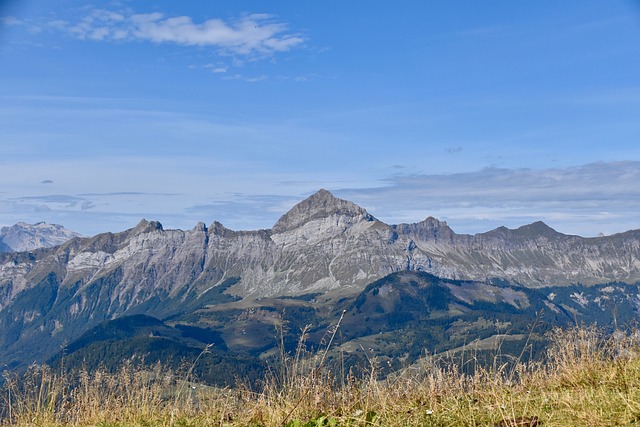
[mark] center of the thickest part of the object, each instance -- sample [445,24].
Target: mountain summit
[27,237]
[319,205]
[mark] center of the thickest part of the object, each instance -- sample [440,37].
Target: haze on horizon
[114,111]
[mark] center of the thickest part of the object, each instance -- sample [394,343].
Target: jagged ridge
[323,244]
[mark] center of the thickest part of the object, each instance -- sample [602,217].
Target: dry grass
[588,379]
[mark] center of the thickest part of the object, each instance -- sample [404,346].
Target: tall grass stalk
[586,379]
[184,381]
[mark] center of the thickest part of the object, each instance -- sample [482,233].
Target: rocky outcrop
[27,237]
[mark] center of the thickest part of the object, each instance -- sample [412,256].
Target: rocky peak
[431,229]
[527,232]
[321,204]
[217,229]
[200,226]
[537,228]
[26,237]
[145,226]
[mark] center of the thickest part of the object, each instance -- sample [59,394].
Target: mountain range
[326,255]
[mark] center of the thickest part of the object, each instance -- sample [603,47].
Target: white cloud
[251,79]
[250,35]
[58,24]
[10,21]
[612,182]
[586,200]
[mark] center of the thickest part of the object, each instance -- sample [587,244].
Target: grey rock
[323,243]
[27,237]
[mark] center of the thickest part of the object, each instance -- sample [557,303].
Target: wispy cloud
[10,21]
[217,69]
[56,201]
[583,199]
[244,211]
[88,213]
[249,35]
[249,79]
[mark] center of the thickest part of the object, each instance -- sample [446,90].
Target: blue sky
[478,113]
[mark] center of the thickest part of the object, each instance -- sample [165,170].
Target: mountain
[395,320]
[405,316]
[325,250]
[28,237]
[533,255]
[144,339]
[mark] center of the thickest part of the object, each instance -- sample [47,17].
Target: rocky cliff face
[323,243]
[533,255]
[27,237]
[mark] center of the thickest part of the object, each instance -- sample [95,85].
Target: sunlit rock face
[322,243]
[28,237]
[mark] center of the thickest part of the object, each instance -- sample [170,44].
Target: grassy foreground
[587,379]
